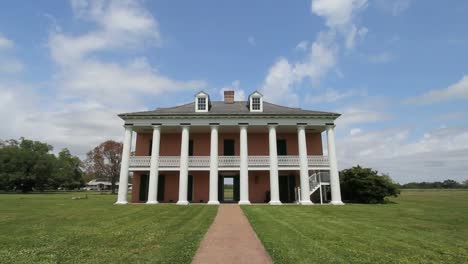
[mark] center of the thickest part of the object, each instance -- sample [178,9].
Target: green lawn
[53,228]
[423,226]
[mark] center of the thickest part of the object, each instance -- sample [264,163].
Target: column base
[152,202]
[306,203]
[275,203]
[213,202]
[337,203]
[121,202]
[182,203]
[244,202]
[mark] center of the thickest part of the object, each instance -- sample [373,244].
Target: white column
[334,176]
[154,167]
[244,169]
[304,166]
[274,184]
[123,181]
[214,166]
[183,176]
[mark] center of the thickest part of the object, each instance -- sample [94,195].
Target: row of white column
[243,170]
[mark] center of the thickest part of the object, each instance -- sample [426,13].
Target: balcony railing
[173,162]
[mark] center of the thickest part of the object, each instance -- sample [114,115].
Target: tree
[103,162]
[67,171]
[364,185]
[25,164]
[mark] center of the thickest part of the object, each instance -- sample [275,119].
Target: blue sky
[395,69]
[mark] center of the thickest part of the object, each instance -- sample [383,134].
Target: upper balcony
[228,163]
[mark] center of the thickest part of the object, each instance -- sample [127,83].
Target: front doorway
[286,188]
[228,188]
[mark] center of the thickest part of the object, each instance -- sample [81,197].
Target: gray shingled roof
[239,108]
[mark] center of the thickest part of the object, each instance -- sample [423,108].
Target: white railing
[169,161]
[199,161]
[140,161]
[228,161]
[317,178]
[259,161]
[318,161]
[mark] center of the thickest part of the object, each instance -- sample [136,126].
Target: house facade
[229,151]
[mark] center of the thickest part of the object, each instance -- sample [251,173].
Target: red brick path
[231,239]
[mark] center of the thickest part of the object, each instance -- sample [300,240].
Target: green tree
[25,165]
[364,185]
[67,171]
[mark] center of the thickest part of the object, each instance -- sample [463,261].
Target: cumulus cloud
[383,57]
[436,155]
[283,77]
[361,115]
[89,89]
[456,91]
[393,7]
[120,26]
[339,16]
[5,43]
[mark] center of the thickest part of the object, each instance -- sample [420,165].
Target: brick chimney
[229,97]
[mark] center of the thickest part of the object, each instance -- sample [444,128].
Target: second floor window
[256,103]
[201,104]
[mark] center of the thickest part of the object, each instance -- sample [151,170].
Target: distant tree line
[447,184]
[27,165]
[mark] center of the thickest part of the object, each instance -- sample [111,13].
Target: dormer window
[202,102]
[256,102]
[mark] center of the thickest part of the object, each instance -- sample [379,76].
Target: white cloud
[251,41]
[383,57]
[239,94]
[456,91]
[280,84]
[394,7]
[329,96]
[121,25]
[436,155]
[360,115]
[87,91]
[339,16]
[9,64]
[5,43]
[302,45]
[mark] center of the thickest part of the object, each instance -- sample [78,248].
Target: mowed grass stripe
[53,228]
[421,227]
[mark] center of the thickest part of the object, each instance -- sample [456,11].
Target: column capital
[330,126]
[156,126]
[214,125]
[301,126]
[272,125]
[241,125]
[128,126]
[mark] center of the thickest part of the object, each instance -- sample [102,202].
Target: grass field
[53,228]
[422,226]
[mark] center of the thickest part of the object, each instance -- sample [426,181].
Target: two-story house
[229,151]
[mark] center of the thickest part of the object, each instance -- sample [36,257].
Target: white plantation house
[230,151]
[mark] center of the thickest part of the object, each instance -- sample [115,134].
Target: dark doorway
[144,183]
[190,188]
[281,147]
[228,189]
[228,147]
[161,187]
[190,148]
[286,186]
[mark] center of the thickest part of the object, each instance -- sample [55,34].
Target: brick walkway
[231,239]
